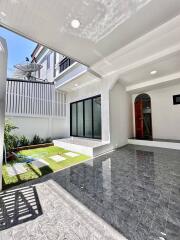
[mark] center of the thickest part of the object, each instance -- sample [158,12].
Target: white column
[3,75]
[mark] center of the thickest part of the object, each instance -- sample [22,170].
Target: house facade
[132,94]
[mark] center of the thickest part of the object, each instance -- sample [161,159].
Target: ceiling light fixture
[75,23]
[153,72]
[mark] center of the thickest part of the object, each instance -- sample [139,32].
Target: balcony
[65,63]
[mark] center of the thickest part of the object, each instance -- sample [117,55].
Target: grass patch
[34,172]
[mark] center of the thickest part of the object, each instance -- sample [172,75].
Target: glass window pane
[97,117]
[73,119]
[80,118]
[88,117]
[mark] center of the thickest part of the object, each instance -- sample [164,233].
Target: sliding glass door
[80,121]
[86,118]
[97,117]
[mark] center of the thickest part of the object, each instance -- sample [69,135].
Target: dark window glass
[88,117]
[80,119]
[48,61]
[97,117]
[176,99]
[73,119]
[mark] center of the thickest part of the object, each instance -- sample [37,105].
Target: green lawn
[34,172]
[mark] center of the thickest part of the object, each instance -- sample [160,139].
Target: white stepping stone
[71,154]
[16,169]
[58,158]
[39,163]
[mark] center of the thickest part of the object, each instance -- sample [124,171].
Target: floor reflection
[135,189]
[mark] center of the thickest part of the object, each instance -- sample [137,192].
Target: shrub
[23,141]
[10,140]
[36,140]
[48,140]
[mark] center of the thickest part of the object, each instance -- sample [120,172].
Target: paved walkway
[134,189]
[62,218]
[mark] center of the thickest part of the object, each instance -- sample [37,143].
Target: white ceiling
[106,25]
[164,66]
[78,82]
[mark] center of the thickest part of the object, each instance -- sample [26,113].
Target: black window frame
[175,102]
[83,100]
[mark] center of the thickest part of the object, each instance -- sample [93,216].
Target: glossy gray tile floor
[135,190]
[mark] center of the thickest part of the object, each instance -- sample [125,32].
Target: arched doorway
[143,122]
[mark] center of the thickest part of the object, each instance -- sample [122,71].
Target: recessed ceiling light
[75,23]
[3,13]
[76,85]
[153,72]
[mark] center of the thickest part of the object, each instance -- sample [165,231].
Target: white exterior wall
[120,116]
[115,110]
[42,126]
[46,74]
[96,88]
[55,59]
[165,115]
[3,72]
[36,108]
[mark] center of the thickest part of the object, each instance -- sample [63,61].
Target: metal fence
[28,98]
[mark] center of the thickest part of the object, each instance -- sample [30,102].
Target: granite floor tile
[134,191]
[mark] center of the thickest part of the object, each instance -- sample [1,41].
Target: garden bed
[42,145]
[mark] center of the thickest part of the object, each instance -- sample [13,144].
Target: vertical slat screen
[34,98]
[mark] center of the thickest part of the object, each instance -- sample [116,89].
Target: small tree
[10,139]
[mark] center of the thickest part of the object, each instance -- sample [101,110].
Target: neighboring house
[53,63]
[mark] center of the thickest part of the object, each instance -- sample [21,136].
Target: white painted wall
[115,110]
[42,126]
[120,116]
[3,73]
[165,115]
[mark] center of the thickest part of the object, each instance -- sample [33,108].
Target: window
[38,73]
[54,70]
[48,61]
[86,118]
[65,63]
[176,99]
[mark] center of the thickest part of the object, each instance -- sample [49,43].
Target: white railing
[30,98]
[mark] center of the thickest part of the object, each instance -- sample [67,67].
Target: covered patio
[132,191]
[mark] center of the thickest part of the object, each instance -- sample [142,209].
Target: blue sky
[18,48]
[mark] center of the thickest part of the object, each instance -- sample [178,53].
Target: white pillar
[3,75]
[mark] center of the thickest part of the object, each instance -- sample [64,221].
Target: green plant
[10,140]
[36,140]
[23,141]
[42,140]
[48,140]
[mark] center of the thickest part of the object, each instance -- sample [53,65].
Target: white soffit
[79,82]
[164,66]
[105,25]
